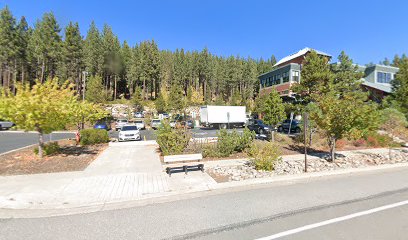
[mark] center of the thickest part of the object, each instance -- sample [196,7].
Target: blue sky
[367,30]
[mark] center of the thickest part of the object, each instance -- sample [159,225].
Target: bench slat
[183,158]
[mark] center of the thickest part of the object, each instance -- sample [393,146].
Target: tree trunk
[40,143]
[116,84]
[332,143]
[144,88]
[42,71]
[22,73]
[15,77]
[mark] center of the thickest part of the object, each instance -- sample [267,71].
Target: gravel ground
[247,171]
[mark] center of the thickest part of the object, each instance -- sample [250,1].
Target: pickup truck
[5,124]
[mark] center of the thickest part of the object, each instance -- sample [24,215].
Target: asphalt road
[246,213]
[10,140]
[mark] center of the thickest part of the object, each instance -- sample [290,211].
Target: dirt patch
[70,158]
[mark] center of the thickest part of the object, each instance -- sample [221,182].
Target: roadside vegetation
[53,79]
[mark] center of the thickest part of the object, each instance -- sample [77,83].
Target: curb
[183,194]
[133,143]
[17,149]
[306,176]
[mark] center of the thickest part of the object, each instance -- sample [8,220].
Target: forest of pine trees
[115,69]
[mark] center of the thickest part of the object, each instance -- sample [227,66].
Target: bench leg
[201,167]
[185,169]
[168,171]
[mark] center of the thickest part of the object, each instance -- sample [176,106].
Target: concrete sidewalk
[122,173]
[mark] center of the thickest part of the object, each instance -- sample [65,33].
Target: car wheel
[297,130]
[223,126]
[280,129]
[261,131]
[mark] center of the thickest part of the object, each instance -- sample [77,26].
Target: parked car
[258,126]
[6,124]
[173,123]
[102,125]
[295,127]
[120,123]
[140,124]
[129,132]
[139,115]
[165,115]
[155,123]
[187,124]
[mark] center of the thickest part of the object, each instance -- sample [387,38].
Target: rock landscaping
[357,160]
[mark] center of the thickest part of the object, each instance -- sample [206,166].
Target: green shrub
[228,143]
[172,141]
[49,148]
[264,155]
[244,140]
[375,139]
[93,136]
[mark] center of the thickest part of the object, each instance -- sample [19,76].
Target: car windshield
[138,121]
[129,128]
[122,120]
[156,121]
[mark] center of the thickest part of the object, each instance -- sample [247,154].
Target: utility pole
[305,119]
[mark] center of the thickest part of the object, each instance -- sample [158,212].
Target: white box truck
[223,116]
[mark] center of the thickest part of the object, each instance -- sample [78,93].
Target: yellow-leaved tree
[45,107]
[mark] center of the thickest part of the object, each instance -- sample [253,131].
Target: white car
[129,132]
[120,123]
[5,124]
[173,124]
[140,124]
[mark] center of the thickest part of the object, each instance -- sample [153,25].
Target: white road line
[333,220]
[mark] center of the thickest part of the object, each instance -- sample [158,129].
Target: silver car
[120,123]
[140,124]
[129,132]
[155,124]
[5,124]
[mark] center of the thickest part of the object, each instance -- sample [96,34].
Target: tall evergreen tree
[93,51]
[73,54]
[8,48]
[45,47]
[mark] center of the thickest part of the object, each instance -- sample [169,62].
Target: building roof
[382,87]
[300,53]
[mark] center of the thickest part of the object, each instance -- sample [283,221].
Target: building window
[285,76]
[295,76]
[383,77]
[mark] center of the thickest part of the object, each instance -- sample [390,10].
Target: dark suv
[258,126]
[295,127]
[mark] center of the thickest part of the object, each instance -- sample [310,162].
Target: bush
[228,143]
[93,136]
[360,142]
[49,148]
[375,139]
[264,155]
[172,141]
[341,143]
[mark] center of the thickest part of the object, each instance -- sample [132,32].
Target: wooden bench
[181,160]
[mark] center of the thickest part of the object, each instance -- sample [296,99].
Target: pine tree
[400,87]
[95,91]
[73,54]
[45,47]
[93,51]
[316,75]
[273,109]
[24,33]
[8,48]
